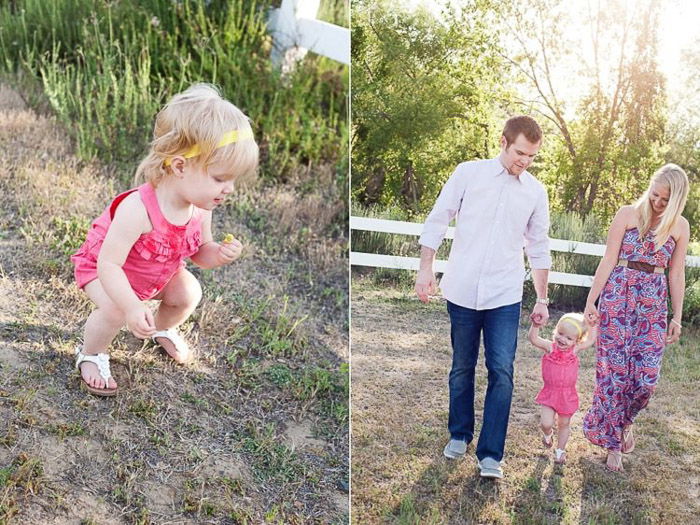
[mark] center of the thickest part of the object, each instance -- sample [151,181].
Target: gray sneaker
[490,468]
[455,449]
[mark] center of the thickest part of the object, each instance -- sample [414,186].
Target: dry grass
[254,431]
[401,357]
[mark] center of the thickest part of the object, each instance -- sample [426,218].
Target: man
[499,208]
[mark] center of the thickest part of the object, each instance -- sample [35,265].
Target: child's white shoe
[559,456]
[181,352]
[547,439]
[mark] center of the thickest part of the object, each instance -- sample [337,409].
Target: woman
[643,240]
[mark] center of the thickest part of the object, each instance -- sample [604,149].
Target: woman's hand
[674,332]
[140,322]
[229,251]
[591,314]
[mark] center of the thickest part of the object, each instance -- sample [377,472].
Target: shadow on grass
[610,498]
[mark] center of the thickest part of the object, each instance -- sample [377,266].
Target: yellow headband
[229,137]
[573,323]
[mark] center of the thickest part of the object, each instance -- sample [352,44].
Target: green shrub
[106,68]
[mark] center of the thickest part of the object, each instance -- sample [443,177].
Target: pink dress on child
[559,373]
[154,258]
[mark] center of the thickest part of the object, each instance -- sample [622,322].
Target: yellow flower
[228,238]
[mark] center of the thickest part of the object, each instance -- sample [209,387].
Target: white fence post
[295,31]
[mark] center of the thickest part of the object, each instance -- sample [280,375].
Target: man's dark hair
[522,124]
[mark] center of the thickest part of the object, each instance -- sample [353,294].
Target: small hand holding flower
[230,249]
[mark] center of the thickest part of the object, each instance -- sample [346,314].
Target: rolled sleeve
[537,236]
[445,209]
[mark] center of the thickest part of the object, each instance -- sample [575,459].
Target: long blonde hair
[675,179]
[198,115]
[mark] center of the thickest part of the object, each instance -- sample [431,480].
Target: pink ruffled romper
[155,257]
[559,373]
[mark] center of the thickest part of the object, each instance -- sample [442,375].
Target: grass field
[401,357]
[256,430]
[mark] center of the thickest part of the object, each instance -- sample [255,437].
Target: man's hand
[539,315]
[425,285]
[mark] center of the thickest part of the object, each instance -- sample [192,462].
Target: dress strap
[150,201]
[117,201]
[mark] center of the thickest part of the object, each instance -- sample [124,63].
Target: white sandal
[102,362]
[181,347]
[559,456]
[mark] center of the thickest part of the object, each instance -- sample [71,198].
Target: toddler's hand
[140,322]
[230,249]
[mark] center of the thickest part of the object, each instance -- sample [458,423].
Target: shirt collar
[499,169]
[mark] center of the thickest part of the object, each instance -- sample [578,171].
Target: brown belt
[641,266]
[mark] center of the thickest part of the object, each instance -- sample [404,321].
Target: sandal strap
[180,344]
[101,360]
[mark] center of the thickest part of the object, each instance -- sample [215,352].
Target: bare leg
[101,328]
[546,424]
[178,299]
[563,430]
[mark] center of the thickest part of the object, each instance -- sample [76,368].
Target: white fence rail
[412,263]
[295,31]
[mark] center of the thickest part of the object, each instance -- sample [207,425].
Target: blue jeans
[500,328]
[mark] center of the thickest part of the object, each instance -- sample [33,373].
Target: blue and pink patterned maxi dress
[631,340]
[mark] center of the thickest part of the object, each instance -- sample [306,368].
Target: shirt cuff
[430,241]
[543,262]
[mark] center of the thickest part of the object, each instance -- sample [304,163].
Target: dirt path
[400,360]
[254,430]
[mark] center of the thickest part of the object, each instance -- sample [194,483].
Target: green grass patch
[272,460]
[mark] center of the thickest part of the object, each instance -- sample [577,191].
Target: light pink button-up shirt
[497,216]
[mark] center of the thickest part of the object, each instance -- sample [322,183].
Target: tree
[423,99]
[604,154]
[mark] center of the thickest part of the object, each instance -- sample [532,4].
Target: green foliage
[106,68]
[423,98]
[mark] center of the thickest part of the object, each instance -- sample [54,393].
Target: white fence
[412,263]
[295,31]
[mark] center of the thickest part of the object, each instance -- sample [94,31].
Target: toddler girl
[559,372]
[135,250]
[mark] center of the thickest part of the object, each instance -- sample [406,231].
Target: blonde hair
[576,320]
[676,180]
[198,115]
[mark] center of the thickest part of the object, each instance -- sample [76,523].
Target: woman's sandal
[628,441]
[617,461]
[182,350]
[559,456]
[102,362]
[547,439]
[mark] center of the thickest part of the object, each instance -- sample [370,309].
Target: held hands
[140,322]
[425,285]
[591,314]
[539,315]
[230,249]
[674,332]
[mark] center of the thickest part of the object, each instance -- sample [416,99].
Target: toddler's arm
[129,222]
[534,337]
[213,254]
